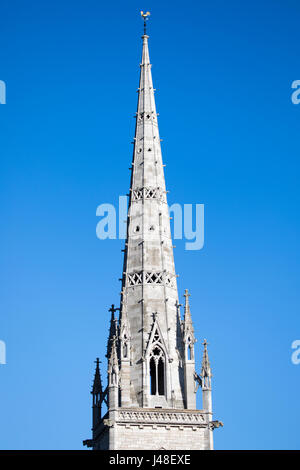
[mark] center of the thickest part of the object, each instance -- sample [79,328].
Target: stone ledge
[161,416]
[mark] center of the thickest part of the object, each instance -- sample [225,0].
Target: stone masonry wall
[155,437]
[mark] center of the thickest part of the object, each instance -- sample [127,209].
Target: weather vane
[145,17]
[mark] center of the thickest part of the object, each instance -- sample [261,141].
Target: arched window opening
[96,398]
[152,376]
[161,377]
[189,351]
[157,372]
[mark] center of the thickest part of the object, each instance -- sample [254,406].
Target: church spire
[150,350]
[149,281]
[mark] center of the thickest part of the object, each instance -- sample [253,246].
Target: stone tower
[152,383]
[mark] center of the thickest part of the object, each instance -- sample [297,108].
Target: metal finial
[145,17]
[186,294]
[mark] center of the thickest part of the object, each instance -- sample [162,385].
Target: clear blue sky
[223,73]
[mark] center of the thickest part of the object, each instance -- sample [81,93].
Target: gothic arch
[157,370]
[157,362]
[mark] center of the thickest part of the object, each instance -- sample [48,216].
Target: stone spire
[125,354]
[188,324]
[189,355]
[97,393]
[113,364]
[112,329]
[149,281]
[113,376]
[206,374]
[206,393]
[150,351]
[97,385]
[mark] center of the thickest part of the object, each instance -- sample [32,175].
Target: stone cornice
[161,416]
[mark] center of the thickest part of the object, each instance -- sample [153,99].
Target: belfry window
[157,371]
